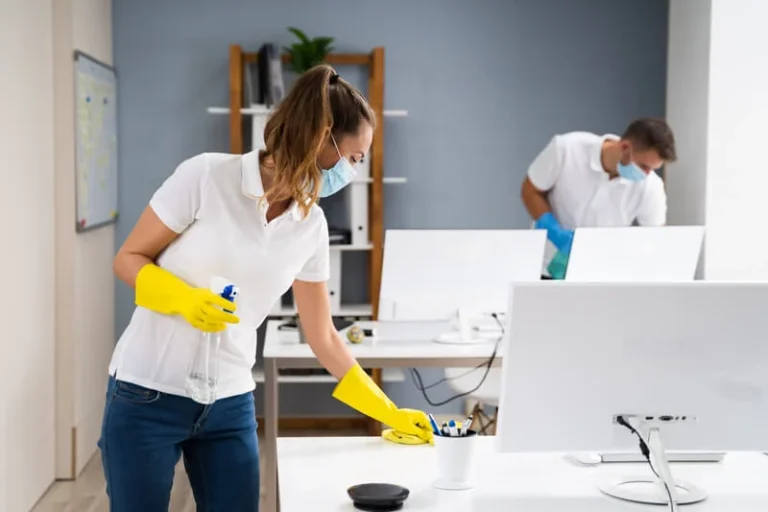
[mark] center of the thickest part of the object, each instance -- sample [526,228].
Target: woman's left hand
[360,392]
[411,422]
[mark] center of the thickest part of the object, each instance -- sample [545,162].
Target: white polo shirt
[582,194]
[213,201]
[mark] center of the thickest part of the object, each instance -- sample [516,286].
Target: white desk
[283,350]
[316,472]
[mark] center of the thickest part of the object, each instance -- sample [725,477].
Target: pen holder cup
[455,461]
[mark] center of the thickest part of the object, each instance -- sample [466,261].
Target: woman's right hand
[162,292]
[204,310]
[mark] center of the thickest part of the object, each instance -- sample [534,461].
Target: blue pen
[452,428]
[435,428]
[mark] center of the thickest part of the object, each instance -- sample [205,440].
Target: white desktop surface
[284,345]
[283,350]
[316,472]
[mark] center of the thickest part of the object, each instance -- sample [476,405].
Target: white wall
[737,170]
[688,109]
[85,284]
[27,256]
[717,106]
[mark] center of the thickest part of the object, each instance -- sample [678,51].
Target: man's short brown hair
[652,133]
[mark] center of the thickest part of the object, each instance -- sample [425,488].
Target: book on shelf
[339,236]
[270,66]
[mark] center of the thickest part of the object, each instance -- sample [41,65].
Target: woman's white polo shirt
[212,200]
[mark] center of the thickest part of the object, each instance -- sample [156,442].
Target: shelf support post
[236,98]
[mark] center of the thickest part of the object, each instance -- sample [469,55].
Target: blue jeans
[145,432]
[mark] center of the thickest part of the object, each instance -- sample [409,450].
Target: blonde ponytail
[299,128]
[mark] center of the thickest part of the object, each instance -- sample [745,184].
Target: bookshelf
[364,198]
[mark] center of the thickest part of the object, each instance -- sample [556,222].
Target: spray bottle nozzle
[225,289]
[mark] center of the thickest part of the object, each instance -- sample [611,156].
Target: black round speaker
[378,496]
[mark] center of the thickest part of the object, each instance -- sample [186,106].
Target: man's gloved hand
[558,266]
[162,292]
[358,391]
[560,237]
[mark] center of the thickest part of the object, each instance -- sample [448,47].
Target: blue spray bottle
[203,375]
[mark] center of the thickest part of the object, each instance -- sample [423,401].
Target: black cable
[488,365]
[646,451]
[463,374]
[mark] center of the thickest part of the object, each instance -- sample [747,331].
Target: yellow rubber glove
[358,391]
[162,292]
[394,436]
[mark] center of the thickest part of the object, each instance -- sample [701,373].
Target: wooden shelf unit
[238,58]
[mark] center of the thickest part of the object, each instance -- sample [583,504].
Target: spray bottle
[203,375]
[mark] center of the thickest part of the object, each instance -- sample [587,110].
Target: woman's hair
[320,103]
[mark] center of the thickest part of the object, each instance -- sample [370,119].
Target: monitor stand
[651,489]
[465,333]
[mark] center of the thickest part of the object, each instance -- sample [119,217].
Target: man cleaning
[583,179]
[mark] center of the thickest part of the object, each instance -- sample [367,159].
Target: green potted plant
[307,53]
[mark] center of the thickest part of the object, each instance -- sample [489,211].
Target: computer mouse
[585,459]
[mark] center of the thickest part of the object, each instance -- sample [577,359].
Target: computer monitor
[436,275]
[686,362]
[648,254]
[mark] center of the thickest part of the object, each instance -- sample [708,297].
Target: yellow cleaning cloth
[402,438]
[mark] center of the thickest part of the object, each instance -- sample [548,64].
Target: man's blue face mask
[338,176]
[631,171]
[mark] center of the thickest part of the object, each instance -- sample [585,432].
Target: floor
[87,493]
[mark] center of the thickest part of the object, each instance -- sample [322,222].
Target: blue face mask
[631,172]
[338,176]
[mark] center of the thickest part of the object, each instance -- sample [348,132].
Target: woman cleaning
[253,219]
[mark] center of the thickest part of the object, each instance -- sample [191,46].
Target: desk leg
[270,436]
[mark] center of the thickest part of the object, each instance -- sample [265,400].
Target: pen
[445,429]
[452,428]
[468,424]
[435,428]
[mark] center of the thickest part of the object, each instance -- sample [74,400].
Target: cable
[646,451]
[417,380]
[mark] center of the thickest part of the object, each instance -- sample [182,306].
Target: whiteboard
[96,143]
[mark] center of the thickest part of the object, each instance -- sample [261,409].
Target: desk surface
[315,473]
[408,348]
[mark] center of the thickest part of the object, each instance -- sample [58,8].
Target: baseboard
[319,423]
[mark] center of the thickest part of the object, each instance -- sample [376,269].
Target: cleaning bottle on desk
[203,375]
[558,265]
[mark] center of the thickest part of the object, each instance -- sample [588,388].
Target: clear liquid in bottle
[203,375]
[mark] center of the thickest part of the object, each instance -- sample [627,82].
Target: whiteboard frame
[79,54]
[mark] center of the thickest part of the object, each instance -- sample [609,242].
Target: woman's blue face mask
[338,176]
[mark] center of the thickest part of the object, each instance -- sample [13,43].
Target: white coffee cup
[455,462]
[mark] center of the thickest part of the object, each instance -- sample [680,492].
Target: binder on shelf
[270,65]
[334,283]
[357,205]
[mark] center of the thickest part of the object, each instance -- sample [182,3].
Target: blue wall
[486,84]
